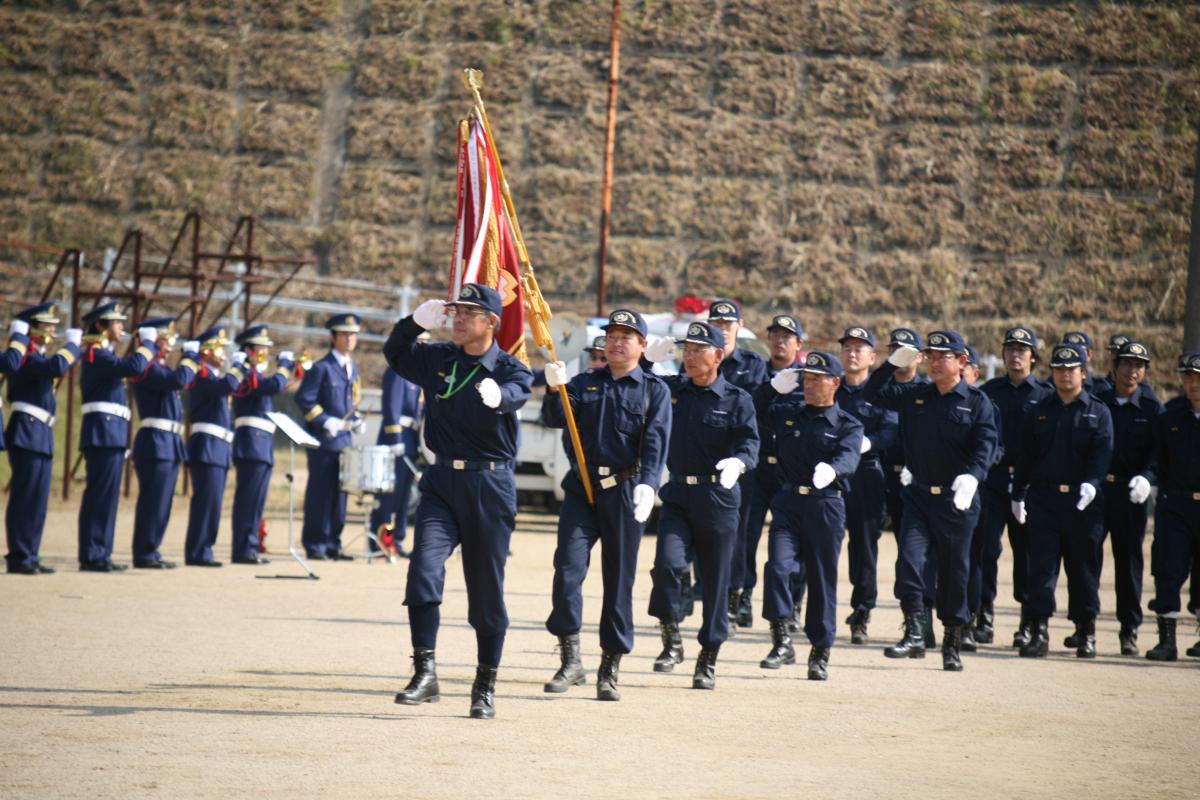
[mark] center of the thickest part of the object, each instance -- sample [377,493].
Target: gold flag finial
[472,79]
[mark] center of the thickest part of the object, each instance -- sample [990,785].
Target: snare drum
[367,470]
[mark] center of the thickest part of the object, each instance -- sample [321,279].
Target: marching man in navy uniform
[401,409]
[469,495]
[209,444]
[714,441]
[624,420]
[30,435]
[254,439]
[819,450]
[1065,452]
[328,398]
[105,431]
[158,444]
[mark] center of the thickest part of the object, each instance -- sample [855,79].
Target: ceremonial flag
[485,249]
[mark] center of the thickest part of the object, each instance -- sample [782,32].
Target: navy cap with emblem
[476,294]
[42,314]
[819,363]
[904,336]
[786,322]
[344,323]
[1189,362]
[1080,338]
[946,340]
[214,337]
[597,345]
[972,357]
[724,309]
[861,332]
[255,335]
[627,318]
[1021,335]
[1068,354]
[703,333]
[105,312]
[1136,350]
[1117,341]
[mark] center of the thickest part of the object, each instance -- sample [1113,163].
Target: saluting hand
[18,326]
[75,336]
[430,314]
[904,356]
[661,348]
[786,381]
[489,392]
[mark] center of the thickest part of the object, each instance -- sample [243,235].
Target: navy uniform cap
[724,309]
[476,294]
[1132,349]
[787,322]
[255,335]
[214,337]
[597,344]
[905,336]
[1117,341]
[819,363]
[946,340]
[1021,335]
[1189,362]
[344,323]
[858,332]
[972,357]
[703,333]
[627,318]
[161,324]
[1080,338]
[105,312]
[1068,354]
[42,314]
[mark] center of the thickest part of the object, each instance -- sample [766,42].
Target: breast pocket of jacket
[627,416]
[714,426]
[1085,431]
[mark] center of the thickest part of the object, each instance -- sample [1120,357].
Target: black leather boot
[782,651]
[793,622]
[930,636]
[818,664]
[858,626]
[705,676]
[985,624]
[1085,636]
[966,642]
[423,686]
[912,644]
[1024,630]
[672,652]
[1194,650]
[1165,650]
[606,676]
[1039,639]
[483,693]
[745,609]
[1072,640]
[951,639]
[571,672]
[1128,640]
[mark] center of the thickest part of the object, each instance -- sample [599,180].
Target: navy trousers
[204,514]
[1125,524]
[864,521]
[393,508]
[25,515]
[808,528]
[1061,534]
[743,571]
[152,513]
[766,486]
[579,528]
[324,505]
[1175,550]
[249,499]
[987,544]
[931,523]
[475,510]
[702,520]
[98,507]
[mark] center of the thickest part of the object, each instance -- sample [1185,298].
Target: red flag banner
[484,246]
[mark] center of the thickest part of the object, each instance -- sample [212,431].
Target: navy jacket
[807,435]
[1064,445]
[881,426]
[1013,403]
[1178,443]
[208,402]
[102,379]
[326,391]
[1134,434]
[401,409]
[764,397]
[744,369]
[33,382]
[156,392]
[253,399]
[709,424]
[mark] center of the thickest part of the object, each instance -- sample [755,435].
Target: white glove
[489,392]
[731,469]
[333,426]
[865,446]
[147,334]
[556,374]
[661,348]
[643,502]
[964,487]
[1018,511]
[358,425]
[1087,493]
[287,355]
[904,356]
[786,381]
[74,336]
[905,476]
[823,475]
[398,449]
[1139,489]
[191,347]
[18,326]
[430,314]
[238,358]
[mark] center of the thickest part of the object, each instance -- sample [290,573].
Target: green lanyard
[451,388]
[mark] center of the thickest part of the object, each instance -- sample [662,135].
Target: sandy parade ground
[217,683]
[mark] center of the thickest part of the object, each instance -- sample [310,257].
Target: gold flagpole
[536,308]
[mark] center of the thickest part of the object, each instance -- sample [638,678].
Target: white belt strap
[255,422]
[37,412]
[209,429]
[160,424]
[100,407]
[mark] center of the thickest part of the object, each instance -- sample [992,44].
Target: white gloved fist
[18,326]
[147,334]
[489,392]
[238,358]
[865,446]
[823,475]
[904,356]
[786,381]
[430,314]
[287,355]
[398,449]
[332,425]
[731,469]
[191,348]
[905,476]
[358,425]
[1139,489]
[643,502]
[1087,493]
[661,348]
[964,487]
[75,336]
[1018,511]
[556,374]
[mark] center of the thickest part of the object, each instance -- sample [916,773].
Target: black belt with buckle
[936,491]
[694,480]
[608,477]
[810,491]
[476,466]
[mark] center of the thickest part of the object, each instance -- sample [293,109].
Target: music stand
[295,436]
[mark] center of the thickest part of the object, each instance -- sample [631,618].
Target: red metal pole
[610,138]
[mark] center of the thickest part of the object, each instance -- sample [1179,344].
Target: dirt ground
[215,683]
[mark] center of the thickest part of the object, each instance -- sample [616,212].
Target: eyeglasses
[600,357]
[466,311]
[940,355]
